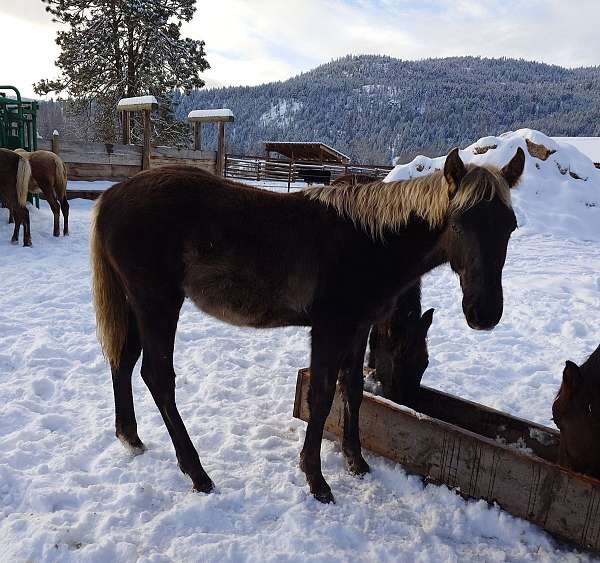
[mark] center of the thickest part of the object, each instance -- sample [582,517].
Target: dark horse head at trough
[576,412]
[332,258]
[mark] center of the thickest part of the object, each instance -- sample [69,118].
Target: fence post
[221,149]
[55,142]
[146,146]
[126,127]
[197,136]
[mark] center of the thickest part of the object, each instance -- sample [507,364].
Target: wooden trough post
[221,116]
[145,105]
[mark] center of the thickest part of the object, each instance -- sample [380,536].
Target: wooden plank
[92,172]
[562,502]
[173,152]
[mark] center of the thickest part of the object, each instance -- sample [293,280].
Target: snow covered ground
[70,492]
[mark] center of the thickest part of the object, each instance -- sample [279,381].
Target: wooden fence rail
[106,161]
[241,167]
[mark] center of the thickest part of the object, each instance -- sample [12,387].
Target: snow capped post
[221,116]
[143,104]
[55,142]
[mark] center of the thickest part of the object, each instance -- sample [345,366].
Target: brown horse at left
[49,177]
[15,174]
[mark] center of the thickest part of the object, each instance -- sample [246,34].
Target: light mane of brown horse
[380,206]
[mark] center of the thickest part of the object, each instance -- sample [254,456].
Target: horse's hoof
[27,243]
[56,234]
[357,466]
[325,496]
[134,447]
[204,486]
[66,234]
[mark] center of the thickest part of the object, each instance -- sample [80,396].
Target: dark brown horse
[332,258]
[49,176]
[398,347]
[15,174]
[576,411]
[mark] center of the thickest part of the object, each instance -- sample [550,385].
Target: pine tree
[113,49]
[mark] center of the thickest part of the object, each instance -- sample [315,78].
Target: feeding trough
[480,452]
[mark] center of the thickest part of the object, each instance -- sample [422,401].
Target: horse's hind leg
[64,206]
[125,422]
[157,328]
[26,227]
[352,384]
[15,236]
[55,207]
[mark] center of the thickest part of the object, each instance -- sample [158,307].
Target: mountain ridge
[375,107]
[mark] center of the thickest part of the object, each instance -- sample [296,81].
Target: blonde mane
[380,206]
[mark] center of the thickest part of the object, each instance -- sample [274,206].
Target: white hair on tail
[22,180]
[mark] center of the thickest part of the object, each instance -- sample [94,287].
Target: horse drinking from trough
[49,176]
[398,343]
[332,258]
[15,174]
[576,412]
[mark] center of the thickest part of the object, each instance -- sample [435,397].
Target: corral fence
[261,169]
[107,161]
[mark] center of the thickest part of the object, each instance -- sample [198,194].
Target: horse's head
[479,225]
[576,412]
[410,356]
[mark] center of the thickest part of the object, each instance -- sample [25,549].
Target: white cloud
[251,42]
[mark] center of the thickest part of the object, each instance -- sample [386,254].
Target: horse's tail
[23,177]
[108,296]
[60,184]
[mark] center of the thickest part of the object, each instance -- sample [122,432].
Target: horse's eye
[455,228]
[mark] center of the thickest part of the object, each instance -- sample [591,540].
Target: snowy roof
[590,146]
[210,115]
[306,151]
[137,103]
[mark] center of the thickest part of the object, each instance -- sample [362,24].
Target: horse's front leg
[352,385]
[328,347]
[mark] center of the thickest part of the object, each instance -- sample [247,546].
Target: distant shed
[307,152]
[590,146]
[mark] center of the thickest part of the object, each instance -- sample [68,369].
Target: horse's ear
[454,171]
[426,320]
[513,170]
[571,376]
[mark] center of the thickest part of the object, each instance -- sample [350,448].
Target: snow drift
[559,192]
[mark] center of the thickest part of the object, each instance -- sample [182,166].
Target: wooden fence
[262,169]
[106,161]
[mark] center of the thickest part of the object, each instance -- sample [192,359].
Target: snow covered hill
[559,192]
[69,492]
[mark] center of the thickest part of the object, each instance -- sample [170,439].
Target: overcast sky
[256,41]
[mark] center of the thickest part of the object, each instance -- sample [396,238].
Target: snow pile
[559,192]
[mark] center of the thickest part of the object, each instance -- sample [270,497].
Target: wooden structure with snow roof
[145,105]
[218,116]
